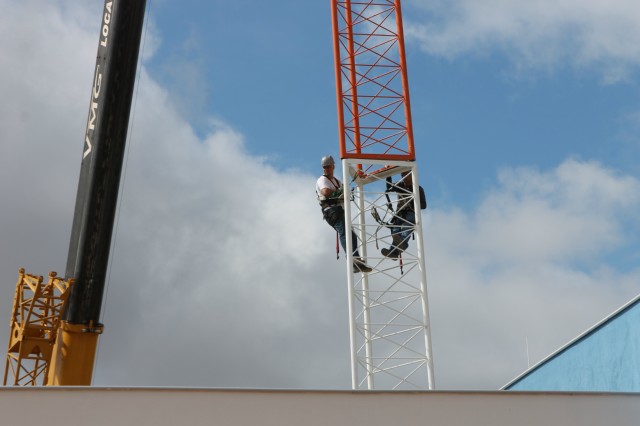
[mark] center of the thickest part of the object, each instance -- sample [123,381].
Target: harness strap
[381,224]
[386,194]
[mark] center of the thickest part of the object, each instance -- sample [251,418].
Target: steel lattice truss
[390,329]
[35,320]
[388,309]
[373,99]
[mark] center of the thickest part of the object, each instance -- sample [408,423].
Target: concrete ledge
[176,406]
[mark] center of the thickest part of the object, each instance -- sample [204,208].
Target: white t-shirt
[324,182]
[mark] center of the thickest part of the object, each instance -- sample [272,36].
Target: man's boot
[391,253]
[395,250]
[360,266]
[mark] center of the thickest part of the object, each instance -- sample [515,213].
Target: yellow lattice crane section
[37,307]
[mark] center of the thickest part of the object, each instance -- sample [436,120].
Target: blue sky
[272,77]
[474,111]
[526,117]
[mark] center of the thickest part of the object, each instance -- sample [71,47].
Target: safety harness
[390,211]
[327,203]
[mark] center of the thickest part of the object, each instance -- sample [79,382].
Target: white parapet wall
[176,406]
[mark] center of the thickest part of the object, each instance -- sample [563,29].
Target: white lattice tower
[389,316]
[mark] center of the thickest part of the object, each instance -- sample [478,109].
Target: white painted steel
[365,288]
[423,278]
[388,307]
[351,295]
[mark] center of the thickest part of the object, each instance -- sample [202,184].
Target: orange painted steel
[374,113]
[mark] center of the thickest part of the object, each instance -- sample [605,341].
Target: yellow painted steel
[74,355]
[43,349]
[35,319]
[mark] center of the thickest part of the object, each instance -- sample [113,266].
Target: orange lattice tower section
[374,113]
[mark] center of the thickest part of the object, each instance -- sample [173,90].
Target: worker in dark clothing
[404,219]
[331,198]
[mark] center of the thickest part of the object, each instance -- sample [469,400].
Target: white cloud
[42,118]
[538,33]
[536,208]
[219,259]
[528,263]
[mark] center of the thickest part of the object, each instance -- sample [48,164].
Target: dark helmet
[327,160]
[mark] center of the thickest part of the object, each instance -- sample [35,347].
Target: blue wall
[606,359]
